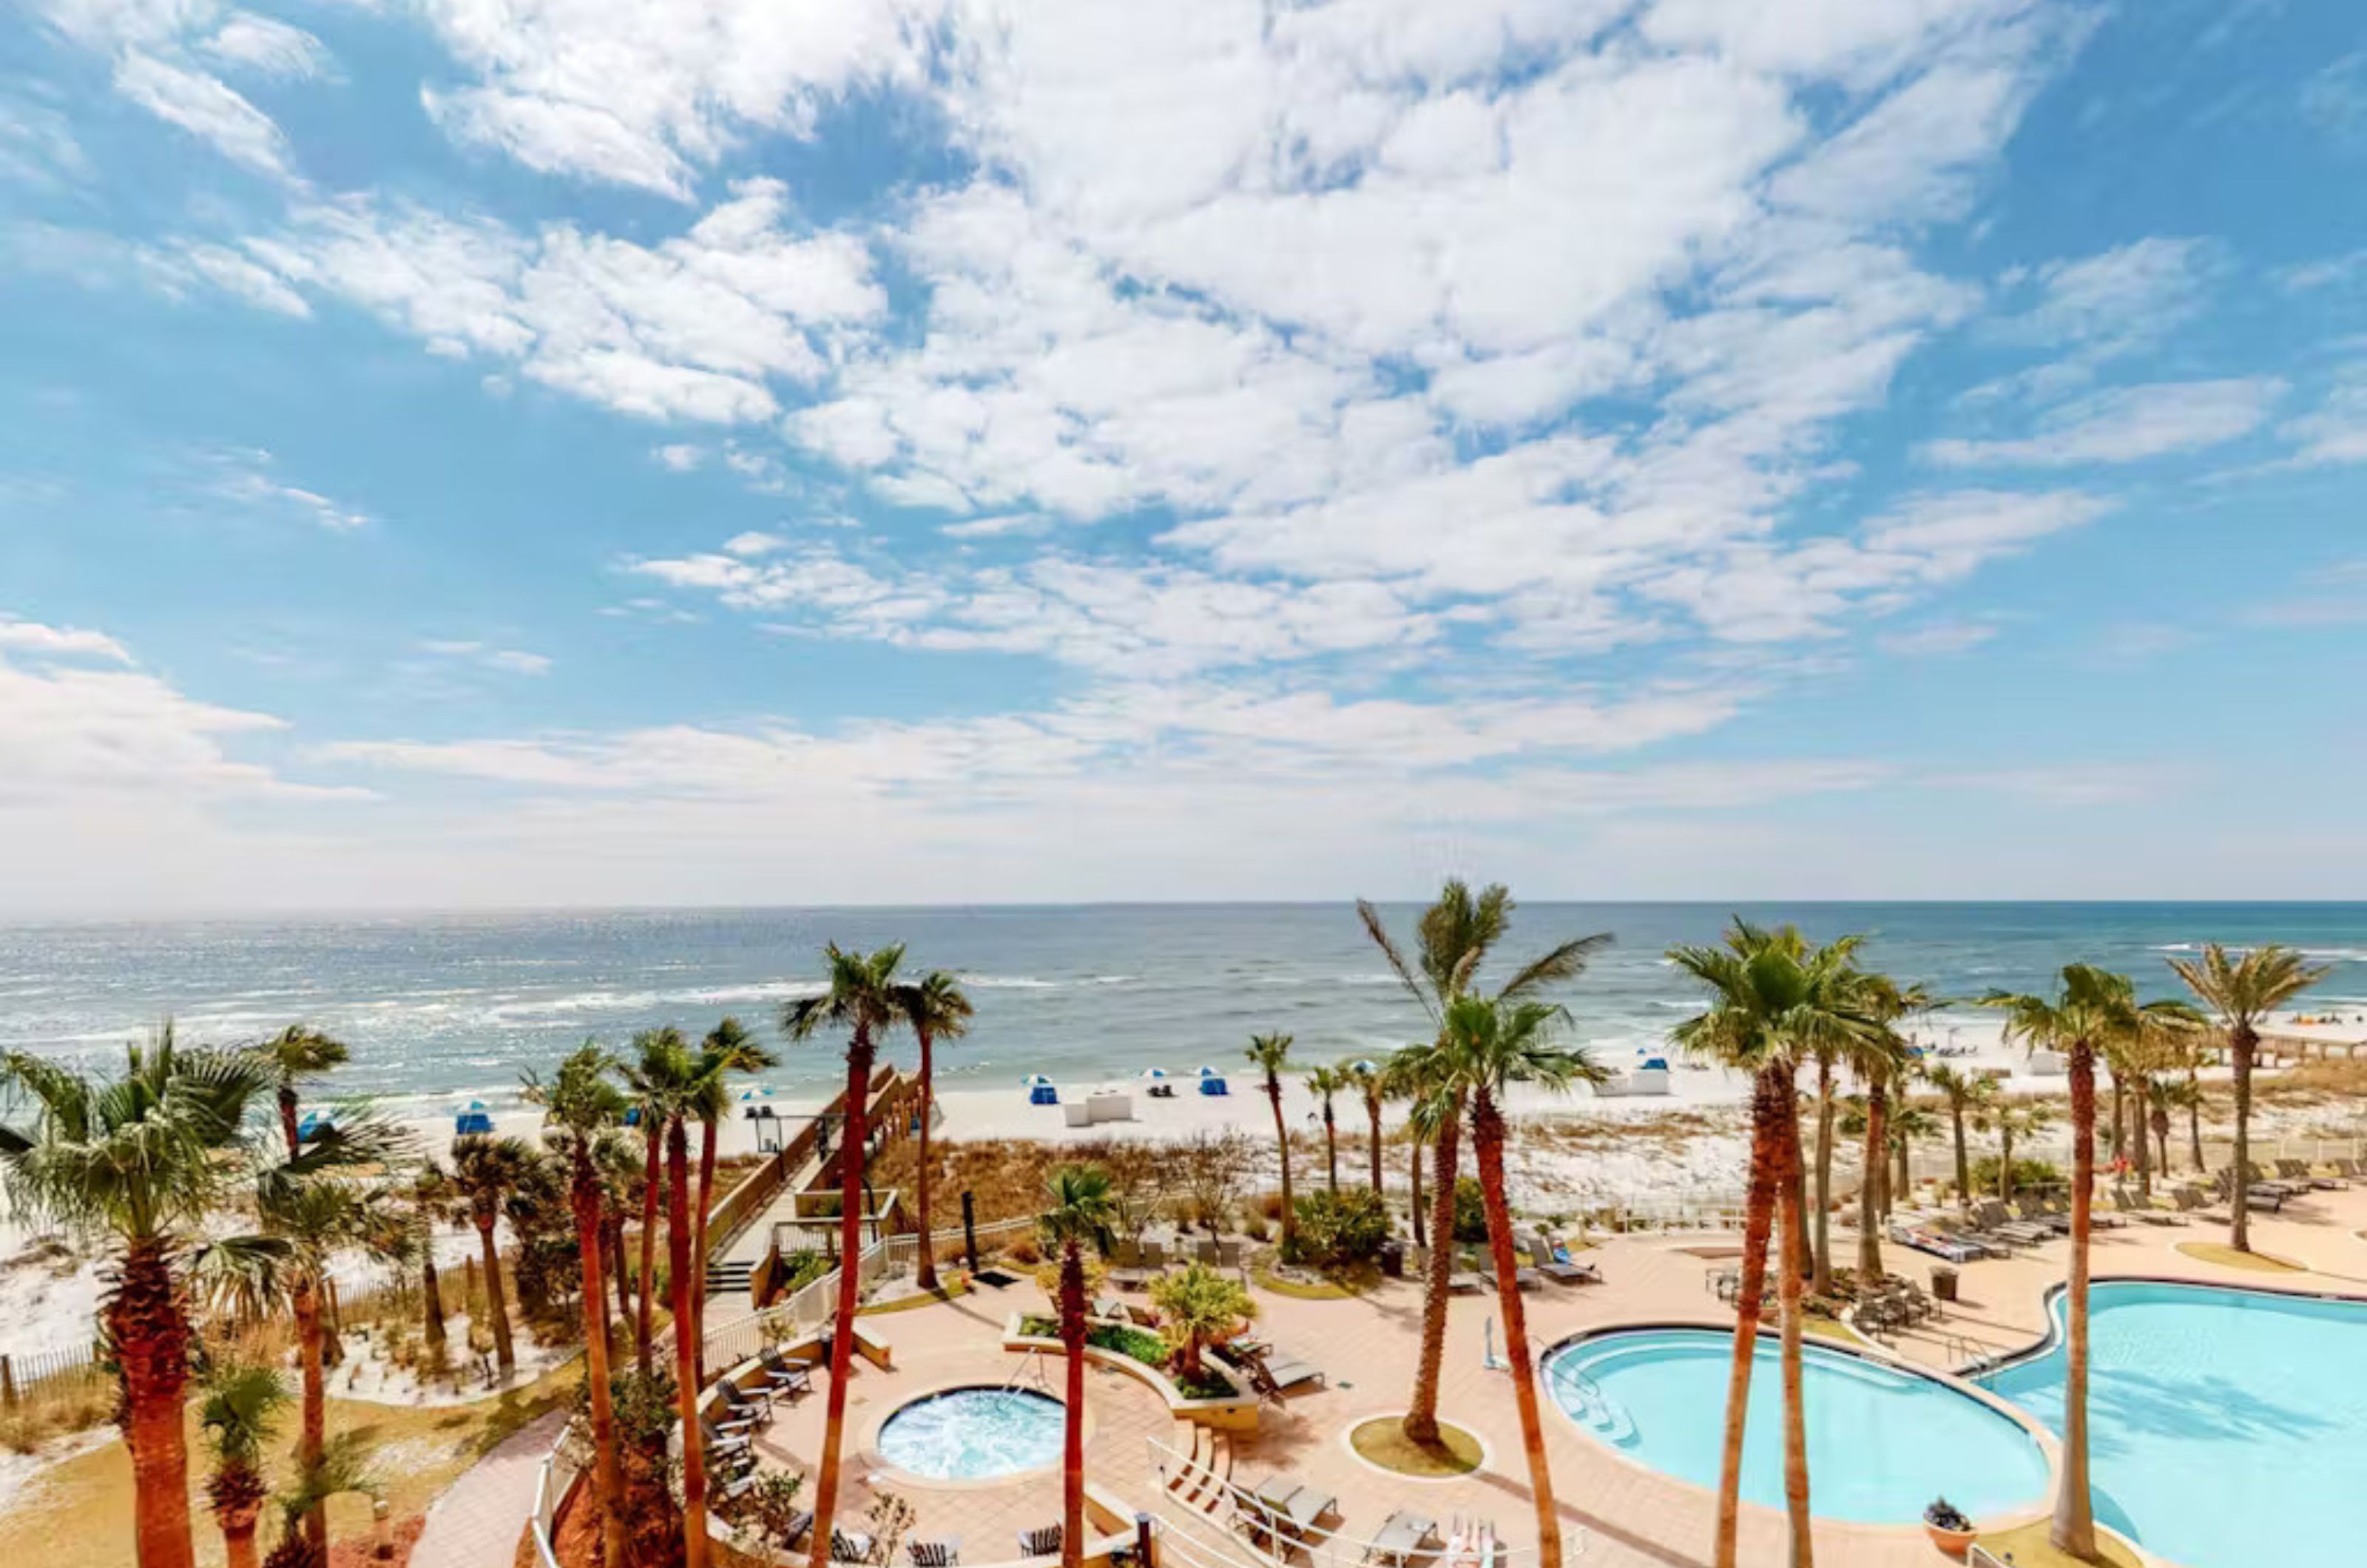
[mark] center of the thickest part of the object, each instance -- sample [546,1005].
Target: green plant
[1199,1305]
[768,1510]
[1470,1210]
[2028,1174]
[1339,1229]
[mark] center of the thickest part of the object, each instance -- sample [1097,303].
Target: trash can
[1944,1282]
[1393,1259]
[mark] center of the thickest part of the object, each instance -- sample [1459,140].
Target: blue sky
[616,451]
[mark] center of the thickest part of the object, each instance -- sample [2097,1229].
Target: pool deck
[1632,1516]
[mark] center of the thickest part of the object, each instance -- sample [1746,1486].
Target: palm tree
[2091,1011]
[295,1055]
[1820,1274]
[1323,1083]
[1452,937]
[243,1406]
[583,1104]
[2178,1094]
[1774,999]
[1083,1208]
[727,1049]
[1878,1056]
[936,1009]
[1365,1079]
[1269,1054]
[1402,1078]
[657,1057]
[427,1198]
[145,1159]
[682,1087]
[1488,1045]
[1198,1304]
[1966,1093]
[484,1171]
[2244,992]
[862,1000]
[1909,1123]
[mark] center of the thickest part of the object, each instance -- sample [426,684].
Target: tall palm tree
[1370,1086]
[583,1105]
[145,1160]
[727,1050]
[862,1000]
[1488,1045]
[485,1169]
[1820,1274]
[1911,1122]
[2090,1010]
[684,1085]
[937,1010]
[2243,992]
[650,1074]
[1774,1000]
[1081,1210]
[1269,1054]
[426,1195]
[1452,939]
[242,1406]
[1967,1094]
[1878,1056]
[2173,1094]
[1324,1083]
[295,1056]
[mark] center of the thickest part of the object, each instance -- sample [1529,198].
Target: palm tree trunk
[1796,1427]
[2140,1115]
[1821,1278]
[1072,1438]
[2194,1118]
[650,1181]
[2074,1530]
[238,1540]
[304,1302]
[926,1275]
[1964,1161]
[497,1306]
[687,1332]
[616,1263]
[1488,1150]
[607,1496]
[1869,1191]
[1422,1415]
[1331,1150]
[2239,1191]
[2005,1162]
[1282,1141]
[698,1239]
[431,1289]
[1758,1214]
[2161,1139]
[147,1319]
[1373,1113]
[1419,1212]
[850,1284]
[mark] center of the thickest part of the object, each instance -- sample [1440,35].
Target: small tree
[243,1406]
[1199,1306]
[1212,1167]
[1337,1230]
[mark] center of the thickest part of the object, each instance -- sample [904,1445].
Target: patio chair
[721,1443]
[1553,1263]
[851,1546]
[781,1378]
[1995,1221]
[2130,1204]
[1467,1282]
[1042,1541]
[1401,1536]
[937,1551]
[2039,1214]
[1127,1271]
[744,1405]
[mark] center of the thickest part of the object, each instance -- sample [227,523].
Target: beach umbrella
[1210,1072]
[476,1105]
[756,1094]
[1154,1072]
[1364,1065]
[1032,1080]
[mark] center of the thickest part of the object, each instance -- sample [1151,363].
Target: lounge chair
[781,1378]
[935,1551]
[1127,1271]
[1995,1221]
[2299,1173]
[1466,1282]
[2349,1171]
[1288,1503]
[851,1546]
[1042,1541]
[1922,1238]
[722,1444]
[1109,1307]
[746,1405]
[1553,1263]
[1968,1236]
[1272,1371]
[2130,1204]
[1401,1536]
[2037,1212]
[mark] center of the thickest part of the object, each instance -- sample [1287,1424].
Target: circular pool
[1881,1442]
[974,1434]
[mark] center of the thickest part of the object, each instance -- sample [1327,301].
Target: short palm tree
[582,1105]
[485,1169]
[1775,1000]
[1198,1305]
[1489,1044]
[936,1009]
[2243,992]
[728,1050]
[293,1056]
[1269,1054]
[861,999]
[242,1406]
[1967,1094]
[426,1195]
[1081,1211]
[2014,1121]
[1366,1081]
[1452,939]
[145,1160]
[1326,1084]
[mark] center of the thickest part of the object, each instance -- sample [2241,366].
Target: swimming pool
[1882,1443]
[974,1434]
[2227,1429]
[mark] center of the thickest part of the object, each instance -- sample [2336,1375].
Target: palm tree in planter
[1452,937]
[582,1104]
[1775,1000]
[1081,1208]
[1366,1081]
[242,1406]
[937,1010]
[2091,1010]
[2243,992]
[485,1168]
[1968,1095]
[861,999]
[728,1050]
[1488,1045]
[1325,1084]
[1199,1306]
[143,1159]
[1270,1055]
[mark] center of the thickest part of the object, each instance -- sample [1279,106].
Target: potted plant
[1949,1529]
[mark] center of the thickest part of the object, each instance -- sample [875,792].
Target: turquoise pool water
[974,1434]
[1882,1443]
[2227,1429]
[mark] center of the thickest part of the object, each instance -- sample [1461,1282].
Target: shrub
[1338,1229]
[1255,1227]
[1199,1305]
[2028,1175]
[1269,1206]
[1470,1210]
[768,1510]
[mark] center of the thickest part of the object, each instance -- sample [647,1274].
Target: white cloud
[37,146]
[32,637]
[511,661]
[2127,424]
[2335,433]
[750,545]
[680,455]
[206,107]
[247,478]
[266,47]
[1936,639]
[2117,300]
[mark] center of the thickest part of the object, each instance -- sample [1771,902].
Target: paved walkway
[477,1522]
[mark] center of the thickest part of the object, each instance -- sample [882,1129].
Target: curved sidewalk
[478,1521]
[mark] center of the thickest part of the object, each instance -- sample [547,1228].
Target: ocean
[441,1008]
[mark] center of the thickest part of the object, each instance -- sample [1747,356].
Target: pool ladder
[1031,1362]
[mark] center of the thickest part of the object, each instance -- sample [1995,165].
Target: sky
[501,453]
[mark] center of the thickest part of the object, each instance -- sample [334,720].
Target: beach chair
[2130,1204]
[1127,1271]
[780,1378]
[1555,1264]
[756,1408]
[1401,1536]
[934,1551]
[1466,1282]
[1995,1221]
[851,1546]
[722,1445]
[1042,1541]
[2037,1212]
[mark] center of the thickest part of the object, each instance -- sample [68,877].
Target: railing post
[8,1381]
[969,1229]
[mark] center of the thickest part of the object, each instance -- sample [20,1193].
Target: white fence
[551,1485]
